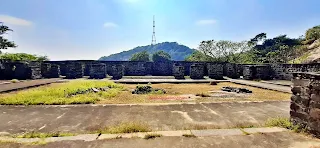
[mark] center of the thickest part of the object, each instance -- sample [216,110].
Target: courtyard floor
[86,118]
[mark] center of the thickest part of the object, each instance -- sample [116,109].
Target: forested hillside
[176,51]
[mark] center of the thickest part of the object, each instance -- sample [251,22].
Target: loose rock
[235,89]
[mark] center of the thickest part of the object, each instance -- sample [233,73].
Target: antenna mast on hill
[153,42]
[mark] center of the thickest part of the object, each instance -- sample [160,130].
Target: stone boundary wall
[133,68]
[305,102]
[20,70]
[281,71]
[251,72]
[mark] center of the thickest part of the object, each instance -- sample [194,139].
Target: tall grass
[126,127]
[57,94]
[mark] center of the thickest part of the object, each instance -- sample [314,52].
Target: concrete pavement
[26,84]
[84,118]
[261,140]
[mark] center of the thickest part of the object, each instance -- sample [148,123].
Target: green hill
[177,52]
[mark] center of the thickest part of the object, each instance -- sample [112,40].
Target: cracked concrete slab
[267,140]
[216,132]
[264,130]
[84,118]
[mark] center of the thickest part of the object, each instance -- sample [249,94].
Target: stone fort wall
[131,68]
[305,102]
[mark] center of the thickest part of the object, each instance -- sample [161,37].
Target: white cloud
[110,25]
[14,20]
[206,22]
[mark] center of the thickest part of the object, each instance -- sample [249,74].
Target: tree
[312,34]
[5,43]
[23,57]
[224,51]
[161,56]
[140,56]
[198,56]
[279,49]
[258,38]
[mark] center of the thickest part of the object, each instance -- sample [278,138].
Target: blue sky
[89,29]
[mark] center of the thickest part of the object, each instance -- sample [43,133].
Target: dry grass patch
[195,89]
[201,127]
[43,135]
[62,93]
[284,123]
[126,127]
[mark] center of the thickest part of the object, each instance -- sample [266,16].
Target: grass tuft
[14,81]
[201,127]
[43,135]
[279,122]
[151,136]
[126,127]
[243,125]
[284,123]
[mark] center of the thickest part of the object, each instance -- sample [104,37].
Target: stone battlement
[305,102]
[79,68]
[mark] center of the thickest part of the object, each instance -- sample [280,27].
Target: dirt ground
[188,92]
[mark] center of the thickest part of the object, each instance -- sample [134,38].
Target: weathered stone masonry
[197,71]
[215,70]
[20,70]
[130,68]
[117,71]
[178,72]
[98,71]
[262,72]
[50,70]
[305,102]
[74,70]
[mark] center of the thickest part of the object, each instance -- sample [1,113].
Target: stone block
[302,100]
[314,104]
[74,70]
[299,90]
[315,97]
[197,71]
[302,116]
[98,71]
[230,70]
[45,70]
[54,71]
[178,72]
[117,71]
[315,113]
[301,82]
[298,108]
[215,71]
